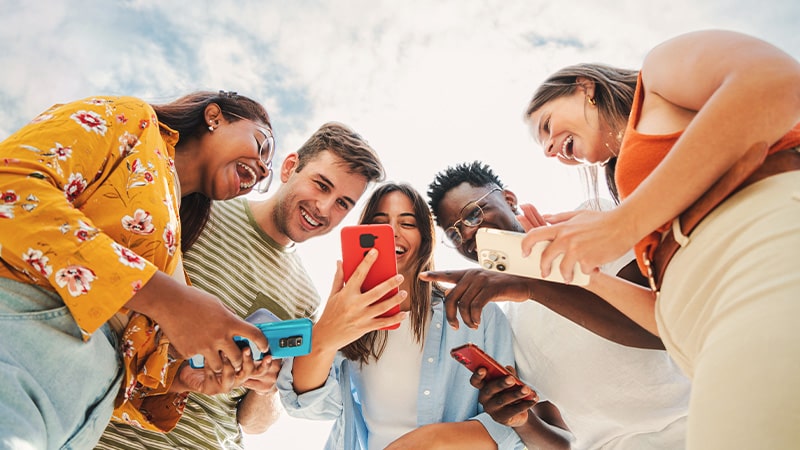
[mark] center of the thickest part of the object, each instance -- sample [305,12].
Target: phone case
[285,337]
[357,240]
[473,357]
[501,251]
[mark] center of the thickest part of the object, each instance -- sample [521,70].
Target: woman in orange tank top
[727,306]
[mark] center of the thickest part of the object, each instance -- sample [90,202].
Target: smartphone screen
[357,240]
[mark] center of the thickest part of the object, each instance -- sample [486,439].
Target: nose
[467,233]
[549,148]
[264,168]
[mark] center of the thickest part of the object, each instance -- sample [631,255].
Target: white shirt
[611,396]
[390,388]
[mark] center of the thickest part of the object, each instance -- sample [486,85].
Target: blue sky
[428,83]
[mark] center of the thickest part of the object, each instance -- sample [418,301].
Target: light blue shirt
[444,395]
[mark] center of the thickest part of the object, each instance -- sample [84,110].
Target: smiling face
[314,200]
[397,210]
[498,212]
[569,128]
[231,158]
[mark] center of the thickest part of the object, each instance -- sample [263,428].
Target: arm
[730,91]
[447,435]
[476,287]
[258,411]
[347,316]
[538,424]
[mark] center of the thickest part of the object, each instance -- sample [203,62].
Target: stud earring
[210,128]
[591,100]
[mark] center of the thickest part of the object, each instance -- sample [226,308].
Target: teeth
[253,178]
[308,218]
[564,146]
[399,250]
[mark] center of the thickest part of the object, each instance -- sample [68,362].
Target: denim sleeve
[323,403]
[498,342]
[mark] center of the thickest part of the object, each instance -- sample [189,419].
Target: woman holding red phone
[398,388]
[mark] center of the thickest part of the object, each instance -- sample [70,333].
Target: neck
[263,214]
[187,168]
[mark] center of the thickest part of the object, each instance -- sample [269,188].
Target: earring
[210,128]
[591,100]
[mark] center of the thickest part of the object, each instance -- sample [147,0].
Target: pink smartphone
[357,240]
[473,357]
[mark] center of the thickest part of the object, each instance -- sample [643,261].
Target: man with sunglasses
[246,256]
[628,396]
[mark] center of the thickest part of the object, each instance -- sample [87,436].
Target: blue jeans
[57,392]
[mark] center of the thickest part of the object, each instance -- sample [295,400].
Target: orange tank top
[641,153]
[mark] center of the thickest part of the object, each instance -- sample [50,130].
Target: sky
[428,83]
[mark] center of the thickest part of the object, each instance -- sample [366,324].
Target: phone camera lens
[501,267]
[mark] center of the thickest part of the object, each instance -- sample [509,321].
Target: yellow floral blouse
[89,209]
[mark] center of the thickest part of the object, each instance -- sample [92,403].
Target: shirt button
[430,360]
[426,392]
[438,325]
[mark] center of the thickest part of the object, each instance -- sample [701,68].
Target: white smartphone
[501,251]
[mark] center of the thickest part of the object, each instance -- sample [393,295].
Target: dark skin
[474,288]
[538,424]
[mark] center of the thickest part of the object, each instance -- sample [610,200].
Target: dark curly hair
[475,173]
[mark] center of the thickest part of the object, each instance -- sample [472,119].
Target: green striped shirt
[236,261]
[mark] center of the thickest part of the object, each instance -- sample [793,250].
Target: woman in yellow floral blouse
[93,198]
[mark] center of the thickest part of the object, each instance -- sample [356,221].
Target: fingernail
[399,278]
[373,252]
[246,352]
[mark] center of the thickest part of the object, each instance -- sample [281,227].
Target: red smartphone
[357,240]
[473,357]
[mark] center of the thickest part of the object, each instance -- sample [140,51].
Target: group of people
[125,250]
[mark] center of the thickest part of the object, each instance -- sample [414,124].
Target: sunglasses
[266,151]
[471,215]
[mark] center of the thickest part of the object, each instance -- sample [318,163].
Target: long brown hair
[613,95]
[186,115]
[372,344]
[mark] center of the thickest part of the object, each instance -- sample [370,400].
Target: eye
[322,186]
[408,224]
[343,204]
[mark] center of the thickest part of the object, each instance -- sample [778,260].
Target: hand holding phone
[473,358]
[357,240]
[501,251]
[285,337]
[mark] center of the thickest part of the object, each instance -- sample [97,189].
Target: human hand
[209,328]
[259,376]
[502,399]
[590,238]
[530,217]
[474,288]
[349,313]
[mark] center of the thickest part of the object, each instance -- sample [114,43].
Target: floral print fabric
[89,209]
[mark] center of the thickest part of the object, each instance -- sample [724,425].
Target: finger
[477,378]
[530,218]
[386,322]
[536,235]
[565,262]
[249,332]
[473,301]
[384,307]
[560,217]
[443,276]
[338,278]
[452,303]
[362,269]
[382,289]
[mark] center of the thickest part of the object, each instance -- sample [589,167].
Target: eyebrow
[331,185]
[383,214]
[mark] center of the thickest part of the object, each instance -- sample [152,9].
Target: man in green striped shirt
[246,257]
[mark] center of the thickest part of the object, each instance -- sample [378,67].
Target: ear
[587,85]
[212,114]
[289,166]
[511,199]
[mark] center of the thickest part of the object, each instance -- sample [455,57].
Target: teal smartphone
[285,337]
